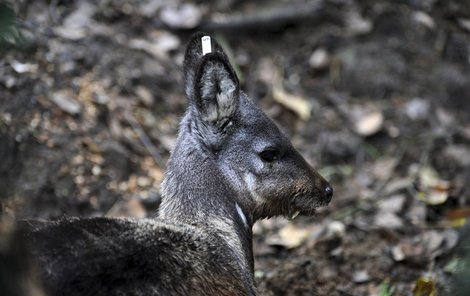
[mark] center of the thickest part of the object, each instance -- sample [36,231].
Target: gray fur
[216,186]
[102,256]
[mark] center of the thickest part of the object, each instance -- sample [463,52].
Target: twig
[53,11]
[145,139]
[270,18]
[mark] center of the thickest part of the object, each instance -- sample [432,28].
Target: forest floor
[374,94]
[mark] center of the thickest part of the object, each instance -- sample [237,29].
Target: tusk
[295,214]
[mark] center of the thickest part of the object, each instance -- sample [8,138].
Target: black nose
[328,193]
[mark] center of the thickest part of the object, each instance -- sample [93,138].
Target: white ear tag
[206,44]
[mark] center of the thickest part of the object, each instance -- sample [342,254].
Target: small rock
[21,68]
[417,212]
[81,16]
[75,24]
[417,109]
[9,81]
[144,181]
[335,229]
[166,42]
[393,131]
[464,23]
[358,25]
[451,238]
[185,16]
[388,220]
[96,170]
[369,123]
[445,117]
[458,154]
[424,19]
[5,118]
[361,276]
[393,204]
[432,240]
[149,8]
[397,254]
[337,252]
[465,131]
[259,274]
[66,102]
[319,59]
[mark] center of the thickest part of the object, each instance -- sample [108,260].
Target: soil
[91,95]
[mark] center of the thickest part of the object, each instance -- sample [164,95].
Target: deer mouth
[303,204]
[294,213]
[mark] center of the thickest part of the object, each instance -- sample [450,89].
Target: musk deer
[230,167]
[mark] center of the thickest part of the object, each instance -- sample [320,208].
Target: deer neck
[206,199]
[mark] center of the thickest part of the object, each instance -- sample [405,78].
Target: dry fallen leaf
[383,169]
[433,190]
[397,184]
[292,236]
[408,251]
[144,95]
[429,177]
[459,222]
[127,208]
[65,101]
[270,74]
[298,105]
[183,16]
[458,213]
[425,286]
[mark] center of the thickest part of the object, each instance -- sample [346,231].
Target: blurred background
[374,94]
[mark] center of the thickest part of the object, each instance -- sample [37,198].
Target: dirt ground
[374,94]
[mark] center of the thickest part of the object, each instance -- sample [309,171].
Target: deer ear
[216,90]
[192,59]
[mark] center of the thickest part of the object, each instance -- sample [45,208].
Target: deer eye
[269,155]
